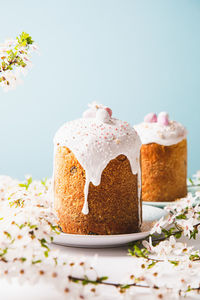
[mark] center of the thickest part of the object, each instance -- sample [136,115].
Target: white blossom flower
[12,79]
[157,228]
[148,245]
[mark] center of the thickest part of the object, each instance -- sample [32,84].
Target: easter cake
[163,158]
[97,175]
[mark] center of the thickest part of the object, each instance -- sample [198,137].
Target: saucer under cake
[150,215]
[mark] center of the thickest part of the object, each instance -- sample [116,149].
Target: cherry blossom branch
[102,281]
[27,219]
[124,287]
[15,59]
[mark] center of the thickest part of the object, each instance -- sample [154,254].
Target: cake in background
[97,175]
[163,158]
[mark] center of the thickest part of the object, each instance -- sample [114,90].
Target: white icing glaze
[166,135]
[96,143]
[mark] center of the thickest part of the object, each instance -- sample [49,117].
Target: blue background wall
[134,56]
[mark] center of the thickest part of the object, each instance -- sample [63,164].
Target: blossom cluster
[27,229]
[183,216]
[15,59]
[171,267]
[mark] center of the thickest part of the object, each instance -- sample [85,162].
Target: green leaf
[54,228]
[152,264]
[46,253]
[31,226]
[44,181]
[126,286]
[3,252]
[27,184]
[56,260]
[23,259]
[178,235]
[17,203]
[43,243]
[36,261]
[169,232]
[193,234]
[24,39]
[181,217]
[191,181]
[21,226]
[100,279]
[136,251]
[85,281]
[189,289]
[194,256]
[174,262]
[74,280]
[8,234]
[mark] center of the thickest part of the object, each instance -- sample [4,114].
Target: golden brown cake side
[113,205]
[164,171]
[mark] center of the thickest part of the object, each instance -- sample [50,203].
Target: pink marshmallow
[163,118]
[109,110]
[89,113]
[150,118]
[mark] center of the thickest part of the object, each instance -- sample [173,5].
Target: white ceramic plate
[150,214]
[157,204]
[191,189]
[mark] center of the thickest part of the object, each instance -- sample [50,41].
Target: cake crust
[164,171]
[113,205]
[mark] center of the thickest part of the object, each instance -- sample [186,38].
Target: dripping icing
[160,130]
[96,143]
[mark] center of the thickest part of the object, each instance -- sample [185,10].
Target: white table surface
[112,262]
